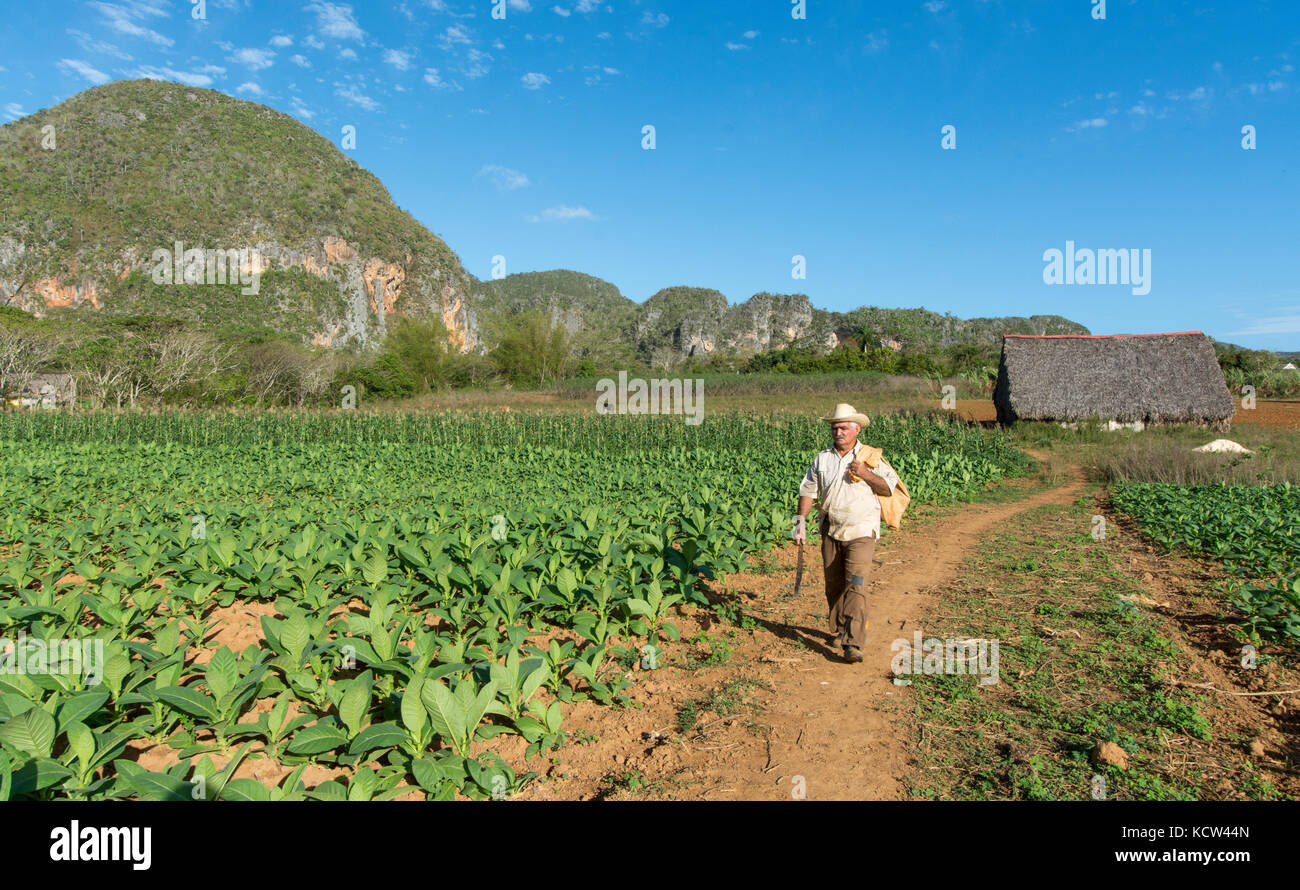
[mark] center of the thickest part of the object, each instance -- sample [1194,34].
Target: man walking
[850,523]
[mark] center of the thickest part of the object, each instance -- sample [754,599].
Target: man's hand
[878,485]
[860,469]
[800,530]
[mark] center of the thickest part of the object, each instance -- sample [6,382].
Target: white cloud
[300,61]
[1091,123]
[125,18]
[611,70]
[658,19]
[749,35]
[434,79]
[76,66]
[476,64]
[91,45]
[348,53]
[1277,324]
[198,78]
[454,35]
[250,87]
[562,213]
[521,5]
[534,81]
[877,40]
[936,6]
[354,96]
[302,110]
[398,59]
[281,40]
[336,20]
[504,178]
[561,11]
[735,46]
[314,42]
[586,6]
[257,59]
[14,111]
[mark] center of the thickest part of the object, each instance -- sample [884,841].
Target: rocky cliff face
[370,289]
[681,322]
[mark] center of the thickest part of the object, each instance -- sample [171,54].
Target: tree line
[121,362]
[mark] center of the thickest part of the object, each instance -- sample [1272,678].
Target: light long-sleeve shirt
[852,508]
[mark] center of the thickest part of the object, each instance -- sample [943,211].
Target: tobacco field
[1250,529]
[436,580]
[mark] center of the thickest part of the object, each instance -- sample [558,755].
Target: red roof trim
[1096,336]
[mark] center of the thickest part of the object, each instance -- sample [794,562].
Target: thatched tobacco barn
[1127,378]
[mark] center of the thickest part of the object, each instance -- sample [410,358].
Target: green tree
[423,347]
[533,349]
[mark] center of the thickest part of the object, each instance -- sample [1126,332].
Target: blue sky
[776,136]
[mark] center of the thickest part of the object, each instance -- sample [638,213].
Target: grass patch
[1078,667]
[728,700]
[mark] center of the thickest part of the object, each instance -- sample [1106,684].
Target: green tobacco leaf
[532,682]
[356,703]
[245,790]
[222,673]
[82,742]
[38,774]
[188,700]
[6,777]
[160,786]
[377,735]
[530,728]
[446,712]
[12,704]
[31,732]
[476,708]
[427,773]
[375,569]
[295,635]
[330,790]
[414,716]
[117,667]
[317,739]
[554,715]
[76,708]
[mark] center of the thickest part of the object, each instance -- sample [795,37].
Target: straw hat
[846,412]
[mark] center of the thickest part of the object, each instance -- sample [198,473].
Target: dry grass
[1166,454]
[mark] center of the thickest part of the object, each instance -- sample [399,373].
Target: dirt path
[843,728]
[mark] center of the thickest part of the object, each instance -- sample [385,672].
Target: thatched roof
[1152,378]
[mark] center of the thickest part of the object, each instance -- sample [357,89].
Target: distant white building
[1290,366]
[47,391]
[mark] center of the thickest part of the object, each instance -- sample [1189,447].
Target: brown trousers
[846,566]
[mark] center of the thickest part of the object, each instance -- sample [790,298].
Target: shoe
[852,655]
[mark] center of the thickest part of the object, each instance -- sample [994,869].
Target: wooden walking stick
[798,572]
